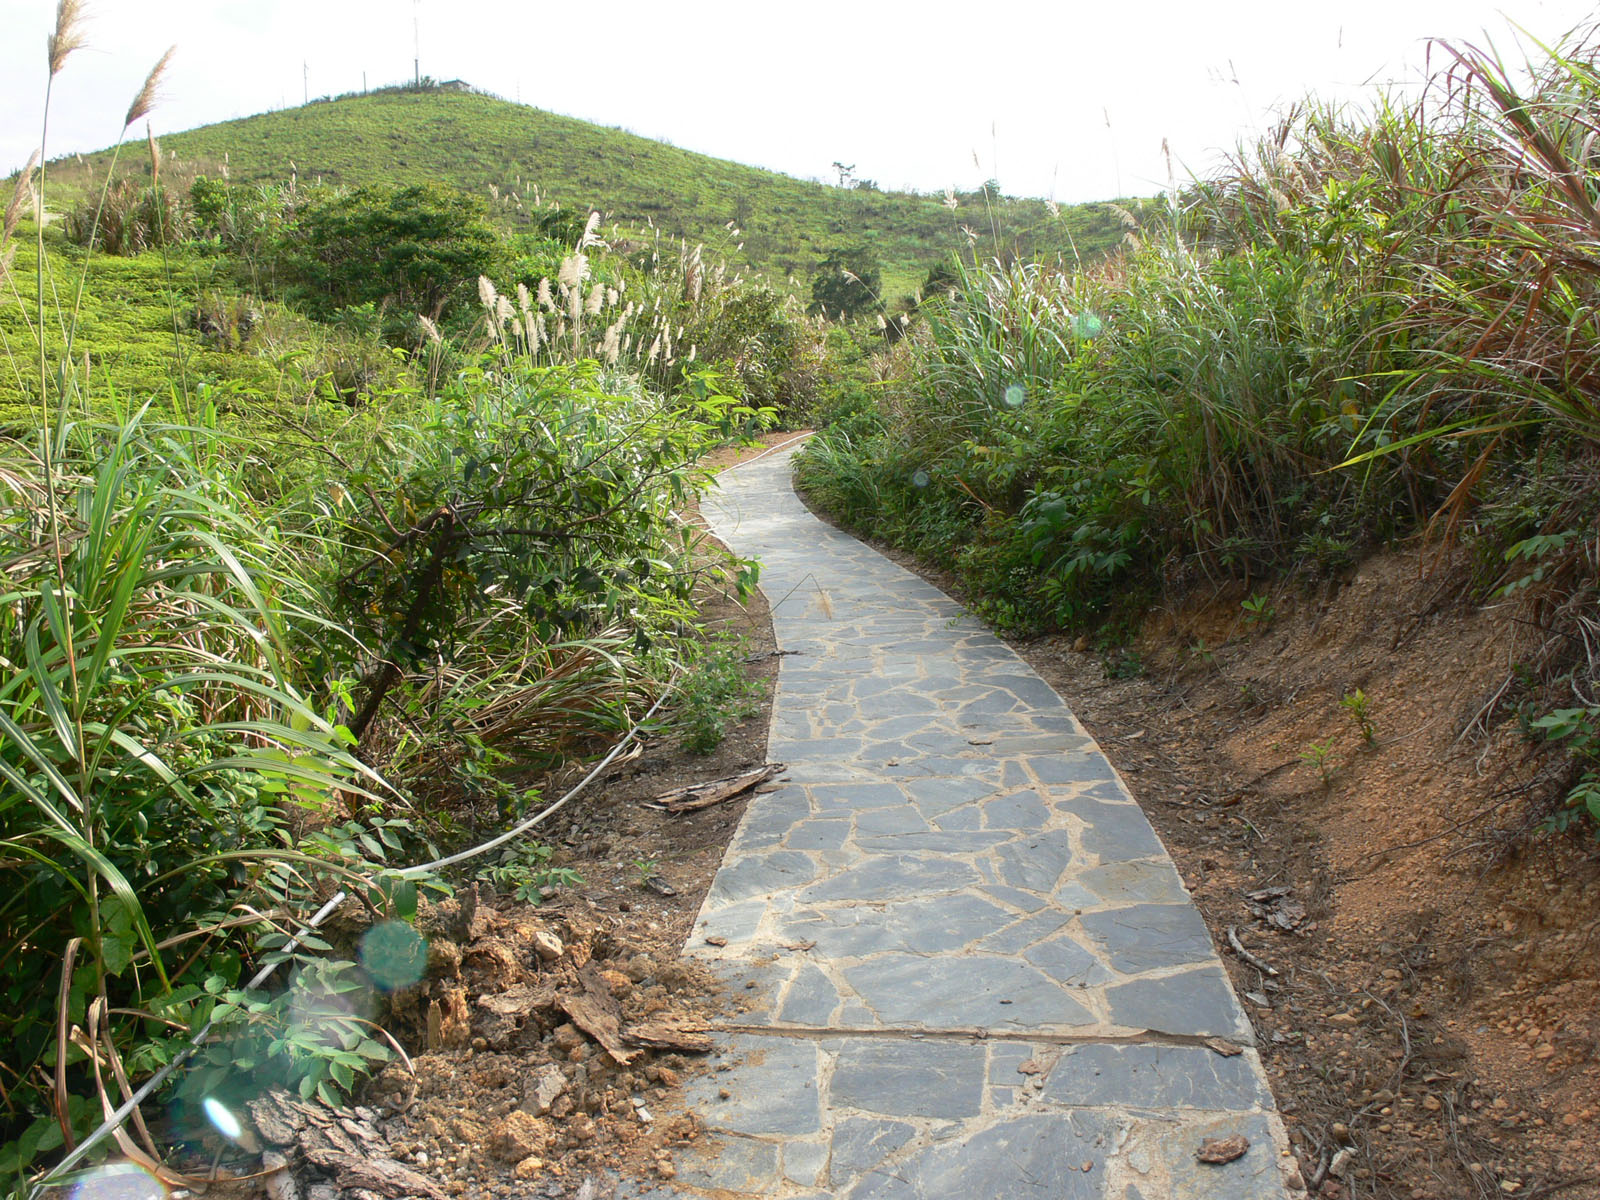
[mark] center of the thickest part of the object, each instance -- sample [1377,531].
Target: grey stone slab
[966,818]
[1115,831]
[772,1089]
[1027,687]
[834,798]
[956,841]
[1154,1076]
[1195,1002]
[1075,767]
[1020,810]
[1073,896]
[909,1078]
[733,922]
[821,834]
[806,1163]
[1065,961]
[976,991]
[1006,1057]
[1016,897]
[897,728]
[810,1000]
[935,796]
[890,877]
[760,874]
[743,1166]
[770,818]
[990,703]
[861,1143]
[922,925]
[752,987]
[937,766]
[879,755]
[1135,882]
[1148,937]
[1255,1176]
[1028,1158]
[798,751]
[1036,863]
[1019,935]
[903,820]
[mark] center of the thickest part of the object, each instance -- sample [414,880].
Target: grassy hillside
[479,143]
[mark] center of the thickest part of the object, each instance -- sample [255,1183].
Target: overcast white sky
[1057,98]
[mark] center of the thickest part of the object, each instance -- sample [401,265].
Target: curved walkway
[971,969]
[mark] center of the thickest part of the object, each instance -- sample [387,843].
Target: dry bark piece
[1271,893]
[1222,1150]
[1032,1067]
[519,1001]
[597,1013]
[704,795]
[381,1175]
[671,1034]
[1223,1047]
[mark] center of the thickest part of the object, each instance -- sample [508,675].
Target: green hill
[485,145]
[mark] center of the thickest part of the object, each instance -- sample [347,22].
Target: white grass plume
[20,197]
[68,35]
[147,96]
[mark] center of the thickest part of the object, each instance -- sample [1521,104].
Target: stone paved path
[972,971]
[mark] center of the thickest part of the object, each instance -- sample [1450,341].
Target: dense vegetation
[527,160]
[327,514]
[1373,324]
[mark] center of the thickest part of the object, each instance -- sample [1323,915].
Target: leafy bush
[416,249]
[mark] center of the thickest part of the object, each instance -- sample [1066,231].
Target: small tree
[846,283]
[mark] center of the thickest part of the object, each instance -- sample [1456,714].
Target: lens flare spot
[920,478]
[394,954]
[224,1121]
[1087,325]
[1015,395]
[119,1181]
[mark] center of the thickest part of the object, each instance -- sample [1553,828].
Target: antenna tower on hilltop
[416,43]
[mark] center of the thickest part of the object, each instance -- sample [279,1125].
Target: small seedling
[646,868]
[1258,610]
[1320,755]
[526,872]
[1203,652]
[1355,703]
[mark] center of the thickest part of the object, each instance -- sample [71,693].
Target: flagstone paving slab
[968,965]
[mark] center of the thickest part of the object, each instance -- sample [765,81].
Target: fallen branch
[1264,967]
[703,795]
